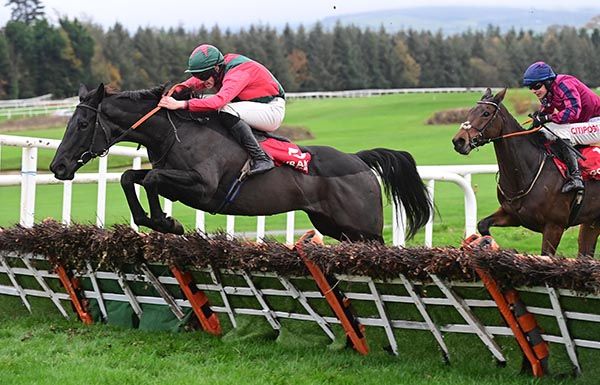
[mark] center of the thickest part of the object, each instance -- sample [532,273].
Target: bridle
[90,153]
[478,140]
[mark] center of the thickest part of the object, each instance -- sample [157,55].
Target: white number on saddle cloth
[296,153]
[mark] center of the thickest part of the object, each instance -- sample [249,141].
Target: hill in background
[452,20]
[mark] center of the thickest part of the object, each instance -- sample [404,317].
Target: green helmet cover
[204,57]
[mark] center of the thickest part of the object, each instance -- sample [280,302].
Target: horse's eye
[486,114]
[83,125]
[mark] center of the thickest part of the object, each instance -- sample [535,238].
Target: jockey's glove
[540,119]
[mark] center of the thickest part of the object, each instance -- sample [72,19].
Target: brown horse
[529,183]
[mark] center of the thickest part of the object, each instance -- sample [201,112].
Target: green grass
[44,348]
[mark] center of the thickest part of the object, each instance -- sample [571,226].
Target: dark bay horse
[195,161]
[529,183]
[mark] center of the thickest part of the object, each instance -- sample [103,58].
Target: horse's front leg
[174,180]
[588,236]
[128,179]
[551,236]
[500,219]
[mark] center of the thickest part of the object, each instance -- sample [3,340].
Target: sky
[191,14]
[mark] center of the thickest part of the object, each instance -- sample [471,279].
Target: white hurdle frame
[378,318]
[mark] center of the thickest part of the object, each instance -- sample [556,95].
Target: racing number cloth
[286,153]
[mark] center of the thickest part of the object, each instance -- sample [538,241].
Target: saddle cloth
[590,167]
[286,153]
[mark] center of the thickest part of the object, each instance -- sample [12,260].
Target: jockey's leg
[241,131]
[568,137]
[575,182]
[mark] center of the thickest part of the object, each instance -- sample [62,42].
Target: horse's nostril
[58,169]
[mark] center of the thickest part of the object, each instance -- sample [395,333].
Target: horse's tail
[401,182]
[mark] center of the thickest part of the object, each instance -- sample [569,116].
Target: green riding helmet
[204,57]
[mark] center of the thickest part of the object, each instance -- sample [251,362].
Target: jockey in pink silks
[569,109]
[247,95]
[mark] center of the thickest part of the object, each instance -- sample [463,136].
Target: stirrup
[573,184]
[260,166]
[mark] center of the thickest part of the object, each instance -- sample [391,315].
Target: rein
[478,141]
[523,193]
[91,154]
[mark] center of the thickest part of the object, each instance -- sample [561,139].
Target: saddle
[283,151]
[590,166]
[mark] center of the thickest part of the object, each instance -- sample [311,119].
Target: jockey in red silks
[248,95]
[569,109]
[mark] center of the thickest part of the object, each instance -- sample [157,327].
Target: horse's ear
[487,95]
[100,91]
[98,95]
[83,91]
[500,96]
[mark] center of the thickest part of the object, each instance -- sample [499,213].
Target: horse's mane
[151,93]
[537,138]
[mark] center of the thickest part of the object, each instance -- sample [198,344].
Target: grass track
[49,350]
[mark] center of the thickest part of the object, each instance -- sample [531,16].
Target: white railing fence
[43,105]
[29,178]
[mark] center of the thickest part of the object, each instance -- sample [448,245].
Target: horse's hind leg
[499,219]
[327,226]
[588,236]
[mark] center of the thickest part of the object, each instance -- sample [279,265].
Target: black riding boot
[575,182]
[241,131]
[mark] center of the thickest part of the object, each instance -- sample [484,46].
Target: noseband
[90,153]
[478,140]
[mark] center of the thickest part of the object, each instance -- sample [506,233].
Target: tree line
[37,57]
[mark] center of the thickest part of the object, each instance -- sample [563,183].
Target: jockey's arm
[233,84]
[572,106]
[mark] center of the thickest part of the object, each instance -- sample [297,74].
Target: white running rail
[29,178]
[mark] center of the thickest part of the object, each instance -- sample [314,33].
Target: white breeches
[577,133]
[261,116]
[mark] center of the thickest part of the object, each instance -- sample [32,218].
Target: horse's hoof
[174,226]
[143,221]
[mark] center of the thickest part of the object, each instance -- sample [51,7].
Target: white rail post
[200,221]
[168,206]
[289,228]
[28,174]
[468,180]
[398,226]
[429,225]
[67,201]
[101,205]
[230,228]
[260,228]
